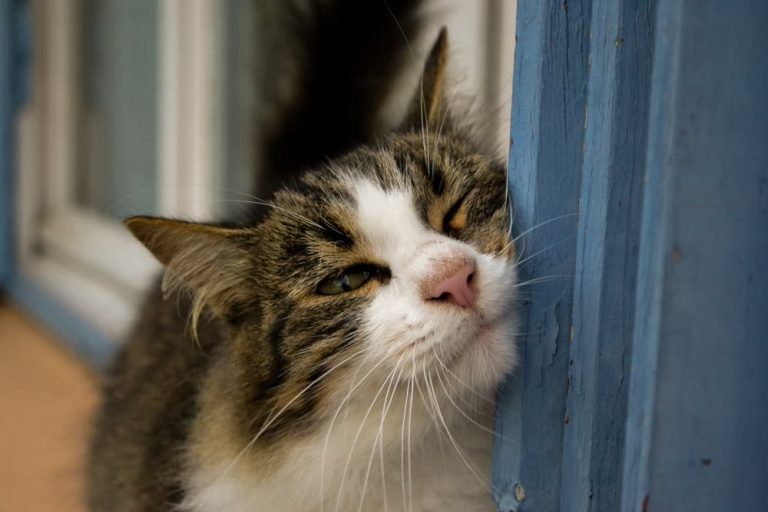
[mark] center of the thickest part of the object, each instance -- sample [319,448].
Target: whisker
[422,106]
[520,262]
[378,440]
[468,418]
[542,224]
[357,436]
[410,422]
[402,32]
[271,419]
[330,428]
[459,452]
[402,454]
[381,442]
[542,279]
[463,384]
[530,333]
[431,415]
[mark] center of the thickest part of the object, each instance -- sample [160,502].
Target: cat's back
[149,398]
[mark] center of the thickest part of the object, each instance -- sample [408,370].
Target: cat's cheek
[389,324]
[496,289]
[496,356]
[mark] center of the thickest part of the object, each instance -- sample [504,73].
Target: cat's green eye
[350,279]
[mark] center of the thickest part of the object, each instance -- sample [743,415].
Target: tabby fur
[244,389]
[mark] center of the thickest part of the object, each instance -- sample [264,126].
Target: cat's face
[398,258]
[389,266]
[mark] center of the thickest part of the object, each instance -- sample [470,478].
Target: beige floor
[46,399]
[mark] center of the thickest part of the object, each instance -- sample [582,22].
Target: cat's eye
[454,221]
[350,279]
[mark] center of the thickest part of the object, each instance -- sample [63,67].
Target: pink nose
[452,283]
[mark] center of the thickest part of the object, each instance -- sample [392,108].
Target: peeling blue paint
[548,107]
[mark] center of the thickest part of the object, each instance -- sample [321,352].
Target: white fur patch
[434,477]
[399,318]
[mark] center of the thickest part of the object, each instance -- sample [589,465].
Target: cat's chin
[486,357]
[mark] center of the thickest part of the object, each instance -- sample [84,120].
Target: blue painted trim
[548,109]
[608,233]
[79,336]
[15,59]
[696,437]
[650,263]
[8,102]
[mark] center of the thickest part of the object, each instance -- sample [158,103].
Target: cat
[340,349]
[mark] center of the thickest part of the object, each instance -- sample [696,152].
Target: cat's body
[436,480]
[357,333]
[156,433]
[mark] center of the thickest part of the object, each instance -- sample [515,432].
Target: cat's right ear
[427,102]
[208,261]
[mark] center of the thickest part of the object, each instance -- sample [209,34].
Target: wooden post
[639,171]
[548,108]
[620,54]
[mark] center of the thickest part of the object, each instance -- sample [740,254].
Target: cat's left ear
[208,261]
[425,107]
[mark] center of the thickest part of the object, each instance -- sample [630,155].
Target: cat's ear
[208,261]
[169,239]
[425,107]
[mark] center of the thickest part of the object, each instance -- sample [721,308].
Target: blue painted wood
[607,234]
[7,109]
[79,336]
[15,42]
[15,39]
[548,110]
[695,426]
[697,436]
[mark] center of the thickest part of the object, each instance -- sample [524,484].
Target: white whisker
[330,428]
[378,441]
[542,224]
[410,422]
[402,448]
[466,416]
[438,431]
[357,436]
[519,262]
[459,452]
[272,418]
[461,382]
[542,279]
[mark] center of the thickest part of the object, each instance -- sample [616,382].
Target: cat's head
[391,262]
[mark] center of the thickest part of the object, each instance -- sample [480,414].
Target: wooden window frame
[91,268]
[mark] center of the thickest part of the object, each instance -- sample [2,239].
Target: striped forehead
[388,220]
